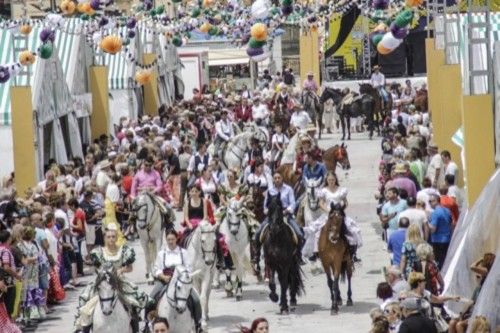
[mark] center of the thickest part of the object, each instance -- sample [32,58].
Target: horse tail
[343,271]
[296,279]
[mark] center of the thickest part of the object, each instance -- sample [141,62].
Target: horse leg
[228,286]
[335,302]
[239,289]
[272,286]
[348,119]
[343,123]
[329,281]
[349,291]
[283,277]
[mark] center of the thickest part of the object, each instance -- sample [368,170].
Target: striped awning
[63,44]
[118,71]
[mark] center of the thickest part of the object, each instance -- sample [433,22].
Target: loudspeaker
[416,51]
[394,63]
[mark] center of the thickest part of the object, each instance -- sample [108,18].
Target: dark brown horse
[421,100]
[333,250]
[381,110]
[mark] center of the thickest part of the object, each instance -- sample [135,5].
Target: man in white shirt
[450,167]
[102,179]
[416,216]
[300,119]
[260,113]
[378,82]
[224,130]
[435,169]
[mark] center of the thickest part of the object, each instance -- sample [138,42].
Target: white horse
[202,249]
[109,315]
[149,228]
[235,231]
[173,304]
[234,153]
[310,211]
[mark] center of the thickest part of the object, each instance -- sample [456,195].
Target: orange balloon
[143,76]
[111,44]
[25,29]
[205,27]
[382,27]
[85,8]
[68,7]
[414,3]
[26,58]
[259,31]
[382,50]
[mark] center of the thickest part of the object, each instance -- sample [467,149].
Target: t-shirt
[441,219]
[388,208]
[61,214]
[436,163]
[451,169]
[78,215]
[415,216]
[395,245]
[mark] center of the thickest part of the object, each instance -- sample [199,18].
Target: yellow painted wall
[309,55]
[151,99]
[350,43]
[479,143]
[100,117]
[23,137]
[434,61]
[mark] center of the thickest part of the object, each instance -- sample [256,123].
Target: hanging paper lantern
[259,31]
[205,27]
[398,32]
[160,9]
[26,58]
[143,76]
[382,27]
[376,38]
[85,17]
[85,8]
[286,2]
[95,4]
[414,3]
[380,4]
[111,44]
[207,3]
[15,69]
[404,18]
[25,29]
[148,4]
[131,23]
[67,7]
[259,9]
[47,34]
[389,41]
[131,33]
[286,10]
[213,31]
[103,21]
[46,50]
[255,44]
[254,52]
[177,41]
[4,74]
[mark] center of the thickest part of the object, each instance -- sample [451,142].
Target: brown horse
[334,254]
[421,100]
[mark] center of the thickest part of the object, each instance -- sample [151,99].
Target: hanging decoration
[111,44]
[27,58]
[143,76]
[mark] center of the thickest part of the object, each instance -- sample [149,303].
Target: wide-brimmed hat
[399,168]
[376,67]
[105,164]
[305,138]
[310,73]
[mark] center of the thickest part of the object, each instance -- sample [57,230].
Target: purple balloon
[380,4]
[252,52]
[245,38]
[4,74]
[131,34]
[287,10]
[95,4]
[148,4]
[398,32]
[131,22]
[47,34]
[103,21]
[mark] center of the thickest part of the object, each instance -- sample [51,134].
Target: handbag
[441,324]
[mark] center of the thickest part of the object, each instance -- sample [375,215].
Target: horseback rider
[300,118]
[224,132]
[146,179]
[121,258]
[310,84]
[279,142]
[260,112]
[197,163]
[167,259]
[312,168]
[288,201]
[283,99]
[378,82]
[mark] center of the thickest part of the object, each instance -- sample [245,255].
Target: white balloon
[55,20]
[260,9]
[14,68]
[389,41]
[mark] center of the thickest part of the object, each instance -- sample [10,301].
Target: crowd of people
[419,207]
[79,215]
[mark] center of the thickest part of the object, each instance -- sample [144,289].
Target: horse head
[334,94]
[312,186]
[108,285]
[340,155]
[366,88]
[335,223]
[234,214]
[275,208]
[208,239]
[141,208]
[180,289]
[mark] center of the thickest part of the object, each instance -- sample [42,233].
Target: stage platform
[353,85]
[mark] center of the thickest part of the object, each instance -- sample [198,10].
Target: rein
[173,301]
[204,251]
[148,226]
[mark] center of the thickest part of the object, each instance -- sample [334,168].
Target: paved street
[312,314]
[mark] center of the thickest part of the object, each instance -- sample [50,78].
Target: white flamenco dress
[312,231]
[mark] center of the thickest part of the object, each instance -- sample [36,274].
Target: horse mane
[114,281]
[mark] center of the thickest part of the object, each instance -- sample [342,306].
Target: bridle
[204,251]
[230,223]
[340,155]
[173,301]
[333,233]
[143,223]
[113,299]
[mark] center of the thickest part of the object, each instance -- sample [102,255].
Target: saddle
[165,211]
[265,231]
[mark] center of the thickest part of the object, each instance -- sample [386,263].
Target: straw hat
[105,164]
[399,168]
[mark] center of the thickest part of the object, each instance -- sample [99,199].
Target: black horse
[361,105]
[280,256]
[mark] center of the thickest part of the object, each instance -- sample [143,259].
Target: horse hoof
[293,304]
[273,297]
[229,293]
[334,312]
[285,312]
[339,302]
[239,298]
[349,302]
